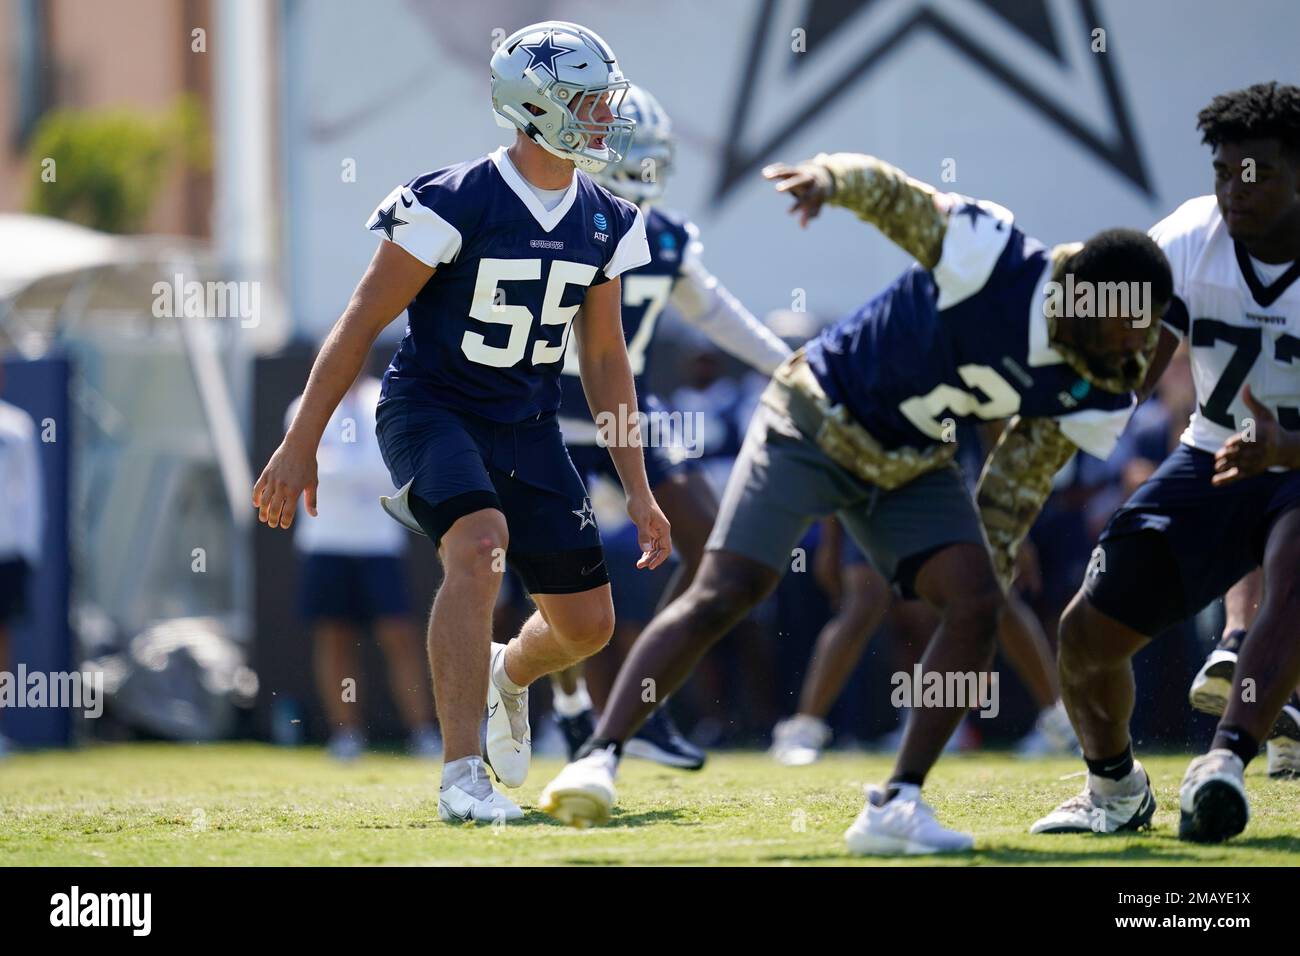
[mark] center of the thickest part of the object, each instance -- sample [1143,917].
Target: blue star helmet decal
[544,54]
[387,220]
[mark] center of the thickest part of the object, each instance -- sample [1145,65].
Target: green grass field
[258,805]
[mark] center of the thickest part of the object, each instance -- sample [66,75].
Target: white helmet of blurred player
[641,174]
[560,84]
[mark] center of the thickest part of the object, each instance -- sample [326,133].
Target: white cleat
[1104,806]
[1212,798]
[485,805]
[1052,735]
[1213,682]
[904,826]
[509,745]
[582,794]
[399,508]
[798,741]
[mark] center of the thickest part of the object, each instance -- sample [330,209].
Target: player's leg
[1170,550]
[1212,797]
[408,682]
[726,588]
[1213,682]
[337,661]
[927,538]
[329,602]
[460,627]
[691,508]
[387,608]
[1024,644]
[864,602]
[779,483]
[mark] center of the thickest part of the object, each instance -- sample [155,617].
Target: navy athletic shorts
[352,587]
[1179,542]
[460,463]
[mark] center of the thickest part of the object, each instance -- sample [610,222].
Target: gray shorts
[782,482]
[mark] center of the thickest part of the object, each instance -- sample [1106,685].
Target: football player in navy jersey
[676,278]
[858,423]
[497,262]
[1225,503]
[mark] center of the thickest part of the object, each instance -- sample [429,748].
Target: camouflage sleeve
[1016,480]
[906,210]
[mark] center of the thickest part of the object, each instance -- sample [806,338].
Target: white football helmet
[640,175]
[560,83]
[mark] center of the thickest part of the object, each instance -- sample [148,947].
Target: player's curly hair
[1124,255]
[1263,111]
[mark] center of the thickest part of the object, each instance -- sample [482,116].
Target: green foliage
[108,167]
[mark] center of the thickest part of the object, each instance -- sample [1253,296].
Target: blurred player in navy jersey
[1225,503]
[861,423]
[497,261]
[676,277]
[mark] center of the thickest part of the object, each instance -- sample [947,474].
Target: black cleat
[576,730]
[660,740]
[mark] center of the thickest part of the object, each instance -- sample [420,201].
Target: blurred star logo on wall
[1049,55]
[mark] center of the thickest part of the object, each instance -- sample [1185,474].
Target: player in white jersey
[1226,502]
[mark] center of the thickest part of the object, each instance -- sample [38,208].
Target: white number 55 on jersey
[491,272]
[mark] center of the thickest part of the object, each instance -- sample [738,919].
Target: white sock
[570,705]
[502,679]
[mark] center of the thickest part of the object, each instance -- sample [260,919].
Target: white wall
[402,88]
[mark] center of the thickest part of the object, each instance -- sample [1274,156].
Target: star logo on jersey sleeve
[386,219]
[585,515]
[544,54]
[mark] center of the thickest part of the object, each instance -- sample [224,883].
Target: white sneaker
[399,508]
[509,745]
[456,804]
[1213,682]
[1104,806]
[904,826]
[1284,759]
[1212,798]
[1052,735]
[583,794]
[798,741]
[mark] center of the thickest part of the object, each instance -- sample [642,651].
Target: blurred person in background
[352,580]
[21,507]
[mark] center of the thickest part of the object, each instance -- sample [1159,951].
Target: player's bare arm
[607,381]
[389,284]
[910,213]
[1015,482]
[1264,444]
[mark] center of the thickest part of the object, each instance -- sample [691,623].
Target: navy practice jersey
[487,333]
[645,293]
[967,340]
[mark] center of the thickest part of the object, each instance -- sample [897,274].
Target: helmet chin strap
[588,164]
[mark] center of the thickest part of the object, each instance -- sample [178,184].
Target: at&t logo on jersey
[601,224]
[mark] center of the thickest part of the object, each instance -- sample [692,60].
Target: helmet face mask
[560,84]
[641,174]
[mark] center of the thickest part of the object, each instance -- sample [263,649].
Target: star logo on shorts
[585,515]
